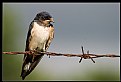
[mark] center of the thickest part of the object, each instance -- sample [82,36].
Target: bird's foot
[33,52]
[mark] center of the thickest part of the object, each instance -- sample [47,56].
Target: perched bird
[39,37]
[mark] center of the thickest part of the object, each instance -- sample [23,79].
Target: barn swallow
[39,37]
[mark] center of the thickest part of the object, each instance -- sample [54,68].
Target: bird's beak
[52,20]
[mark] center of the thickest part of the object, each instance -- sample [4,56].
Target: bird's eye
[47,18]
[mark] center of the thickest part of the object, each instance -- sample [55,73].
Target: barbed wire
[83,55]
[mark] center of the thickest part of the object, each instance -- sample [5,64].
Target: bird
[39,37]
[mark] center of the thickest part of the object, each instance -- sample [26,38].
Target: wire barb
[85,56]
[90,57]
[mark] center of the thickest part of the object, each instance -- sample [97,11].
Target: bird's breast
[40,36]
[40,33]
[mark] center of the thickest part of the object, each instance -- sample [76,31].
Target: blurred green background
[16,19]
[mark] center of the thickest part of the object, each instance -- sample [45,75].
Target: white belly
[40,36]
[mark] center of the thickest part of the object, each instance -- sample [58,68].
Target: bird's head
[44,17]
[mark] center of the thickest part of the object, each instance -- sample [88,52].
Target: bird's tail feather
[29,65]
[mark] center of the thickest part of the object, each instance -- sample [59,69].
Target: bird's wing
[51,36]
[27,58]
[28,38]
